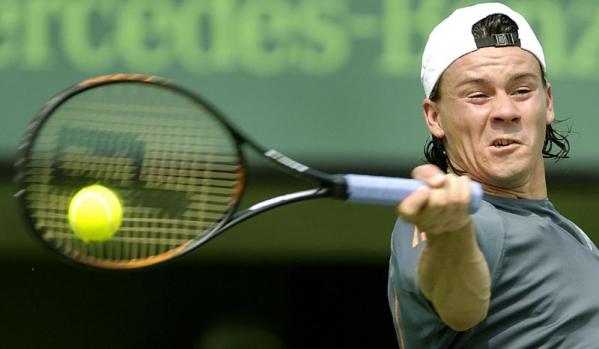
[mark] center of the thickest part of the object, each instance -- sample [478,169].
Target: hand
[440,207]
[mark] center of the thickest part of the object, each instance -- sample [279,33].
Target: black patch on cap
[498,40]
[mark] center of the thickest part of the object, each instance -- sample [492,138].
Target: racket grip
[391,191]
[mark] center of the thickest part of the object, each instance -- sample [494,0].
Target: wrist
[452,248]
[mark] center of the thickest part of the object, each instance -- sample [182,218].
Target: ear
[549,101]
[431,117]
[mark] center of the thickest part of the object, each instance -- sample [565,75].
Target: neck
[532,187]
[533,190]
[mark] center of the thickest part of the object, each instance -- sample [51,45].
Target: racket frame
[330,185]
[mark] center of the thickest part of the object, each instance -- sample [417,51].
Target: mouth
[503,142]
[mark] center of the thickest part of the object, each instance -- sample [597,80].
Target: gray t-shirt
[545,282]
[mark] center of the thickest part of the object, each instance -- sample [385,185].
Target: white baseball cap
[452,38]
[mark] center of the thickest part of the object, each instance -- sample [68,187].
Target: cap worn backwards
[452,38]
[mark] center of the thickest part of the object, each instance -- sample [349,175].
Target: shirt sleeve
[416,323]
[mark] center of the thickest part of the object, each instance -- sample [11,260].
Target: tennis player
[516,274]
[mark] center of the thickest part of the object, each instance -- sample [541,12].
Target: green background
[333,84]
[326,82]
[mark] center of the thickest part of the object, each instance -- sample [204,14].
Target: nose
[504,109]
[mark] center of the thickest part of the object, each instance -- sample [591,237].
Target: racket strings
[176,170]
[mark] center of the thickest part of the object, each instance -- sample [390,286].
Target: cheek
[464,126]
[465,130]
[542,129]
[540,125]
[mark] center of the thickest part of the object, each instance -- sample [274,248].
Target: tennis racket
[174,160]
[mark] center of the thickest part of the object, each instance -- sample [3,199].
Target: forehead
[492,63]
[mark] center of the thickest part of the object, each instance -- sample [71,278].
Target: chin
[505,172]
[508,175]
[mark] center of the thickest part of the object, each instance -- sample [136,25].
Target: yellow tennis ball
[95,213]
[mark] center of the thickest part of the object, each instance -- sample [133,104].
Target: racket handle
[390,191]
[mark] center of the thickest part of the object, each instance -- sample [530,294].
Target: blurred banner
[332,83]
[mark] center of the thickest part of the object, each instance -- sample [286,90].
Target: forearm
[453,275]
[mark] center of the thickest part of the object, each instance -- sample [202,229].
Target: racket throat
[333,185]
[336,186]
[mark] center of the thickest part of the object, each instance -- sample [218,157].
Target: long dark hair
[556,145]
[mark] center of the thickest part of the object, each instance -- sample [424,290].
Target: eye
[522,93]
[477,95]
[522,90]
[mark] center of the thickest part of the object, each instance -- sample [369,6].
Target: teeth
[502,143]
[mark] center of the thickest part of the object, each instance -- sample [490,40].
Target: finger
[454,193]
[426,172]
[451,204]
[439,198]
[458,188]
[457,195]
[429,174]
[465,192]
[430,221]
[445,205]
[413,205]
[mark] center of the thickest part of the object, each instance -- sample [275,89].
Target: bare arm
[452,271]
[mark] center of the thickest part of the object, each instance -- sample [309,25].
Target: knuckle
[437,201]
[406,211]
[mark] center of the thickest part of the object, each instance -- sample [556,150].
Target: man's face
[492,116]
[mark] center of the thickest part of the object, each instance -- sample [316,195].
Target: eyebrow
[523,76]
[475,81]
[480,81]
